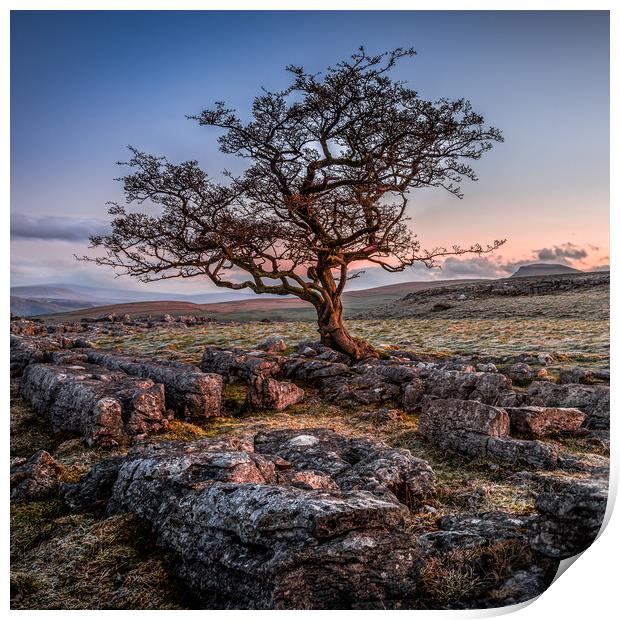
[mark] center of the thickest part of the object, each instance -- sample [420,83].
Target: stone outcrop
[544,421]
[593,400]
[101,405]
[354,464]
[35,478]
[476,429]
[570,517]
[308,519]
[190,393]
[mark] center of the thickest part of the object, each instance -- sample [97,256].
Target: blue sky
[86,84]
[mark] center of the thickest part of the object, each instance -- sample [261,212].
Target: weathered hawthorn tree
[331,161]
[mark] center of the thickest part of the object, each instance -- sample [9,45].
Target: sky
[85,84]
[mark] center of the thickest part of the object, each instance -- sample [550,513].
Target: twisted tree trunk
[331,325]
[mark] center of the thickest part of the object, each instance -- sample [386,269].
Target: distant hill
[24,306]
[543,269]
[255,308]
[107,296]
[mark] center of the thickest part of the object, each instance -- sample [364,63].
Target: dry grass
[76,562]
[452,579]
[571,340]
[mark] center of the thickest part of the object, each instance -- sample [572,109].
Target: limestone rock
[570,517]
[102,406]
[38,478]
[267,393]
[593,400]
[353,463]
[521,372]
[544,421]
[273,344]
[445,415]
[259,530]
[190,393]
[487,387]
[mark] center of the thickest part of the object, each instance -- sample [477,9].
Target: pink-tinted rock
[544,421]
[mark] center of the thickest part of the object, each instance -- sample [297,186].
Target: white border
[588,589]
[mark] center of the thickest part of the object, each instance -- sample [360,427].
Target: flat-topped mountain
[543,269]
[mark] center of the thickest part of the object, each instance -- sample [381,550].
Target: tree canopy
[331,163]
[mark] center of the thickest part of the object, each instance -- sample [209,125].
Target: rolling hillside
[258,308]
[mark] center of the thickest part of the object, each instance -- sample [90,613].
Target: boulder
[238,365]
[273,344]
[521,372]
[523,586]
[522,452]
[570,517]
[413,394]
[37,478]
[476,429]
[544,421]
[267,393]
[593,400]
[583,375]
[445,415]
[382,417]
[94,489]
[487,387]
[101,405]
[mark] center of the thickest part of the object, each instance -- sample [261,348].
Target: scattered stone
[273,345]
[544,421]
[37,478]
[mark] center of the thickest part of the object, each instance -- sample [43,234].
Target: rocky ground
[279,475]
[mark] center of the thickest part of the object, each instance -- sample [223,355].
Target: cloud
[476,267]
[56,228]
[566,253]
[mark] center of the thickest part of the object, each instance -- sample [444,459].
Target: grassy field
[571,341]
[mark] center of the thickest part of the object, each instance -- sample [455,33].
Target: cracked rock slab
[102,406]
